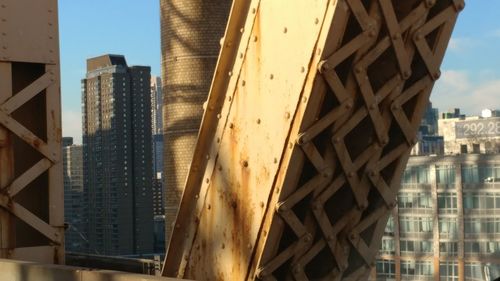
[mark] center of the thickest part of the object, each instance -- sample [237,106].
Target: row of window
[447,174]
[448,201]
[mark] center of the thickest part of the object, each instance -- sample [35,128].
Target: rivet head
[285,30]
[287,115]
[255,38]
[245,163]
[406,74]
[243,83]
[271,76]
[316,21]
[231,125]
[437,75]
[242,30]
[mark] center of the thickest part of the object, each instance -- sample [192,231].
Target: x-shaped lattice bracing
[412,44]
[10,105]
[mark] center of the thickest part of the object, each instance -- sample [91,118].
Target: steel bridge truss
[313,111]
[31,187]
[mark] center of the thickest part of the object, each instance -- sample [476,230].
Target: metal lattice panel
[318,211]
[31,194]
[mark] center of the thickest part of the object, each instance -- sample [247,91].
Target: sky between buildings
[470,73]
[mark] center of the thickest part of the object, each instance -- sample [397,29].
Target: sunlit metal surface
[312,114]
[31,196]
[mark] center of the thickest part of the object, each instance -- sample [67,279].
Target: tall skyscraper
[117,156]
[157,132]
[190,39]
[158,181]
[156,106]
[74,210]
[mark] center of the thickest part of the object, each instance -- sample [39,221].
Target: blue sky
[471,70]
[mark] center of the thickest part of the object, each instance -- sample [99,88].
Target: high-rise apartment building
[117,156]
[157,132]
[74,210]
[156,106]
[446,225]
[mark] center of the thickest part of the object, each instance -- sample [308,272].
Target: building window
[415,200]
[447,202]
[478,226]
[386,268]
[415,224]
[445,175]
[448,248]
[448,271]
[463,148]
[387,246]
[480,173]
[415,269]
[481,200]
[474,271]
[416,175]
[389,227]
[407,246]
[448,227]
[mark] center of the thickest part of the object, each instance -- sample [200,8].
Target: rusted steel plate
[313,127]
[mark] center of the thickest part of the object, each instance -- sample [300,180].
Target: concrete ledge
[12,270]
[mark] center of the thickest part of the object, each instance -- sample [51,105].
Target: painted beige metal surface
[27,271]
[312,113]
[31,194]
[29,31]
